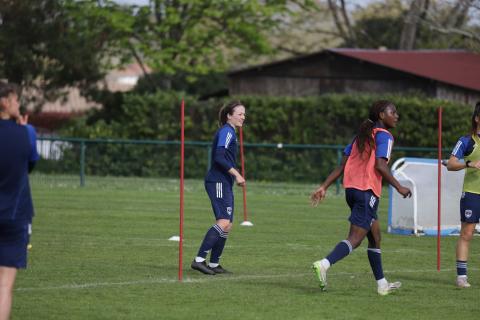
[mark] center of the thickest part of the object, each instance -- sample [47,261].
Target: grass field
[101,252]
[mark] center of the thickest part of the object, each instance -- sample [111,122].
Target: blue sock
[218,248]
[375,259]
[342,250]
[461,268]
[211,237]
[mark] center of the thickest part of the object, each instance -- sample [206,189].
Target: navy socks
[209,241]
[342,250]
[375,259]
[218,247]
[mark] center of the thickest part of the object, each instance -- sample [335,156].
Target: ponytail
[364,135]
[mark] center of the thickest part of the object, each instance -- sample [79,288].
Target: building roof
[459,68]
[455,67]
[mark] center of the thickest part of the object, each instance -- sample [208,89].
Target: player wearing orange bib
[364,164]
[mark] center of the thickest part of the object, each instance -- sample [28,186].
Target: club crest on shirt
[229,211]
[468,213]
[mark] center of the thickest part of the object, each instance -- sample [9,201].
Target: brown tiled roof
[456,67]
[459,68]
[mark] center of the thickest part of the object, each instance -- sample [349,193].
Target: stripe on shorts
[219,190]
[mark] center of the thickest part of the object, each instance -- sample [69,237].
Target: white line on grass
[208,279]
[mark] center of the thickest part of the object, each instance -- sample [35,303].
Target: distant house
[444,74]
[54,114]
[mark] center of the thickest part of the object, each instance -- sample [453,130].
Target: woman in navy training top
[218,184]
[18,156]
[467,148]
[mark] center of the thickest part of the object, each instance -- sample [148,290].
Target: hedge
[326,119]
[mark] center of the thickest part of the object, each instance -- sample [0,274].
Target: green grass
[101,252]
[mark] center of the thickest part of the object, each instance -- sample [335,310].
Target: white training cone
[174,238]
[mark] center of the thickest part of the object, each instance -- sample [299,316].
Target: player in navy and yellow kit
[218,184]
[18,155]
[364,165]
[467,148]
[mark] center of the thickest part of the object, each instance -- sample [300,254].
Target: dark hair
[225,110]
[364,135]
[7,88]
[476,113]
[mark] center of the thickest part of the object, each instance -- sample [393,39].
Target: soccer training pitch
[102,252]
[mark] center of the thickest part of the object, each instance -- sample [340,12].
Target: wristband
[467,163]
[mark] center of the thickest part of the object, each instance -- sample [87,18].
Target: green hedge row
[326,119]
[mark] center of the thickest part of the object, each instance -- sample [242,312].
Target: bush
[326,119]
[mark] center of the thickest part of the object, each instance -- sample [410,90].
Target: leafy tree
[379,29]
[203,86]
[47,45]
[198,37]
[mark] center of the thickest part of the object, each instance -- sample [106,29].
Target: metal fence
[154,158]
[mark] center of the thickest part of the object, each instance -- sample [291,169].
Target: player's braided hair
[365,131]
[227,109]
[476,113]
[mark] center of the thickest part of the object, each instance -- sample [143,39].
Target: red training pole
[439,197]
[182,156]
[242,161]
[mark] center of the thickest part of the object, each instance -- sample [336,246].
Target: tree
[331,23]
[197,37]
[453,24]
[447,23]
[406,25]
[342,22]
[379,24]
[417,11]
[47,45]
[317,25]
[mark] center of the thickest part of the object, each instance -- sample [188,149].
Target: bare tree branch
[407,39]
[351,33]
[459,13]
[461,32]
[336,19]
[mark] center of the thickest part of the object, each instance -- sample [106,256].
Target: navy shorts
[470,207]
[221,196]
[13,244]
[364,206]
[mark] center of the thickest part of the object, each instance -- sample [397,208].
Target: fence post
[209,151]
[82,163]
[339,161]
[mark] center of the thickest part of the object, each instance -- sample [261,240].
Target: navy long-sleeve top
[224,154]
[18,153]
